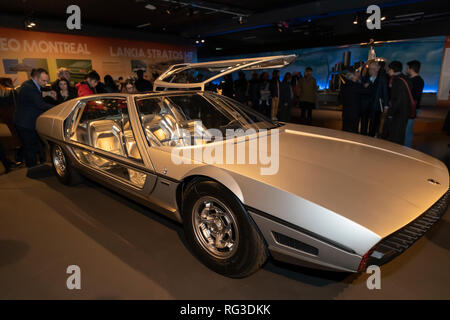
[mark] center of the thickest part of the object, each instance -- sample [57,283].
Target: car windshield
[196,118]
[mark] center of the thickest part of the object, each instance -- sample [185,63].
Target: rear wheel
[220,231]
[62,166]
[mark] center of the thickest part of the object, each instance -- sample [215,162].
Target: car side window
[158,121]
[163,117]
[105,124]
[195,107]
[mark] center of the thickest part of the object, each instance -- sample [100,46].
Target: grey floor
[126,251]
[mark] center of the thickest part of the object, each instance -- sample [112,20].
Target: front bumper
[396,243]
[291,244]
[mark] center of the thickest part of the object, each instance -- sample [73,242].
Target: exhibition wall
[427,50]
[21,51]
[443,97]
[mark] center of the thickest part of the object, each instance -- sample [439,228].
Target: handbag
[412,113]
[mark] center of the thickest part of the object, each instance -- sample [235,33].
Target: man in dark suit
[374,100]
[142,84]
[400,105]
[350,96]
[275,93]
[30,105]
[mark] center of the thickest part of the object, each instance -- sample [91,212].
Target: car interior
[108,132]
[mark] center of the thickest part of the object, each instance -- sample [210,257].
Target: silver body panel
[344,192]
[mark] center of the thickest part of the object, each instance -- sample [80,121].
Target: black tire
[68,175]
[250,251]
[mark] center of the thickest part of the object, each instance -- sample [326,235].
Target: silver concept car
[334,200]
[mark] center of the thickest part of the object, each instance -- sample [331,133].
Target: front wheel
[62,166]
[220,231]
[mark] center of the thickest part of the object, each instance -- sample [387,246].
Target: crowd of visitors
[365,98]
[272,96]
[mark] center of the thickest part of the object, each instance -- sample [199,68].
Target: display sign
[21,51]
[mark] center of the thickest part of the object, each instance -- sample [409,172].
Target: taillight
[365,259]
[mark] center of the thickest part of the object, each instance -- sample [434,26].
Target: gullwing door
[195,76]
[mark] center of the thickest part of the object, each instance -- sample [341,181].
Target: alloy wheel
[215,227]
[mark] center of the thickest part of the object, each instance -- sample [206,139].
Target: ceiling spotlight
[150,7]
[383,18]
[168,11]
[29,24]
[196,41]
[368,20]
[203,41]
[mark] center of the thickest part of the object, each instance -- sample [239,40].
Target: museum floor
[126,251]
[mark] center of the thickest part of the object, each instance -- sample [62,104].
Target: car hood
[379,185]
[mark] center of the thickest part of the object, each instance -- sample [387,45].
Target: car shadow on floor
[12,251]
[440,233]
[132,232]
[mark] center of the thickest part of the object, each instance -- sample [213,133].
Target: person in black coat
[110,84]
[142,85]
[64,91]
[374,100]
[417,84]
[253,92]
[275,93]
[399,107]
[227,86]
[264,94]
[286,96]
[8,98]
[240,88]
[6,102]
[30,105]
[351,98]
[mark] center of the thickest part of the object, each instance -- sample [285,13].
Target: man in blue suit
[30,105]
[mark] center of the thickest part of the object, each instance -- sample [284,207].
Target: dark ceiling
[232,27]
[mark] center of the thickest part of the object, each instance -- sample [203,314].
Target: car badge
[432,181]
